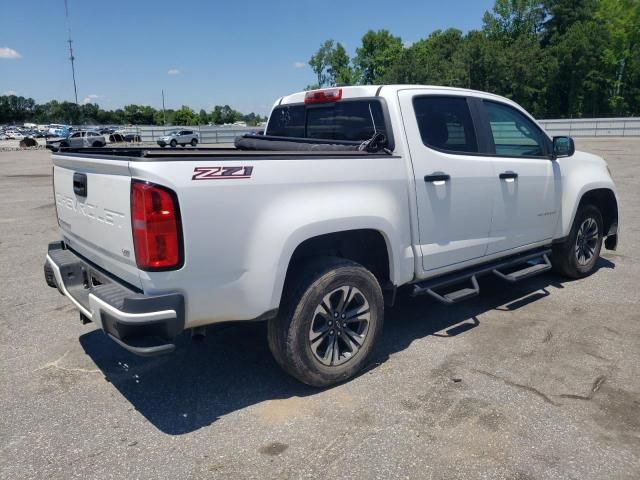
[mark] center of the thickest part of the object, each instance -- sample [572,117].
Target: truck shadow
[232,367]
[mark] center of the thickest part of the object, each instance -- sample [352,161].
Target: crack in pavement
[55,364]
[597,383]
[519,385]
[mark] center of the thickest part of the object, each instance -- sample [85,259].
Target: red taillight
[155,220]
[323,96]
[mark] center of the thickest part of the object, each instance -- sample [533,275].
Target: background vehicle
[58,130]
[179,137]
[351,193]
[82,138]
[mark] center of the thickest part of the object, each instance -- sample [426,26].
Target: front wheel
[328,323]
[576,257]
[173,143]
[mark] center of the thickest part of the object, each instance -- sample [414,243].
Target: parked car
[179,137]
[15,135]
[81,138]
[132,137]
[351,193]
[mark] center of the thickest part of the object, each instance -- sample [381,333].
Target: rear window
[355,120]
[445,123]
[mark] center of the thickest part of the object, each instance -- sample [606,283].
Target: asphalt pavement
[536,381]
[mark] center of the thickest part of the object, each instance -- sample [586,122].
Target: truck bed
[145,154]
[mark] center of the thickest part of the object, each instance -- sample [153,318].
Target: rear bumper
[143,324]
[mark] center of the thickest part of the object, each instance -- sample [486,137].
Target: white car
[350,194]
[14,135]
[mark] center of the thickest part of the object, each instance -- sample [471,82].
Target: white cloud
[407,43]
[173,71]
[299,65]
[9,53]
[10,92]
[90,98]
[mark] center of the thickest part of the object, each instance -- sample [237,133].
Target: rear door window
[445,124]
[356,120]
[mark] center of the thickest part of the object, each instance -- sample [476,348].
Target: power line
[71,57]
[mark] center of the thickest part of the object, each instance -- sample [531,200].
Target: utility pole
[164,117]
[71,57]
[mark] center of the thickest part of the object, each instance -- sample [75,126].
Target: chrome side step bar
[534,262]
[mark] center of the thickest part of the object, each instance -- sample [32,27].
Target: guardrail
[208,133]
[593,127]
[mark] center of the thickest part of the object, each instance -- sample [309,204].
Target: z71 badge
[221,173]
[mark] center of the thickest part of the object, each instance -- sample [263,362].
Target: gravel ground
[532,382]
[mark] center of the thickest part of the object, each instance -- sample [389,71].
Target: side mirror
[563,147]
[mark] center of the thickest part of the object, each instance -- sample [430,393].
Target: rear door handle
[437,177]
[508,175]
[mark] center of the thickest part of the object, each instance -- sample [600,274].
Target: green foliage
[331,64]
[185,116]
[376,56]
[554,57]
[15,109]
[511,19]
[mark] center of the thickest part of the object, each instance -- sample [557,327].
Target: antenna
[71,57]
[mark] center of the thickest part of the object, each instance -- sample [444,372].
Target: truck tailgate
[92,199]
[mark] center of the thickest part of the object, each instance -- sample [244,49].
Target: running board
[430,286]
[526,272]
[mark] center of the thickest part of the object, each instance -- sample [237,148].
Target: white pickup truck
[349,194]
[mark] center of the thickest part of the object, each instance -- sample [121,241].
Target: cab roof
[363,91]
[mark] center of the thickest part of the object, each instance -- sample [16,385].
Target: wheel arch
[370,247]
[604,199]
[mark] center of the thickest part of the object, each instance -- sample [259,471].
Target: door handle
[437,177]
[508,175]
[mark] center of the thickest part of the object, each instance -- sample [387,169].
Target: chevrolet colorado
[349,194]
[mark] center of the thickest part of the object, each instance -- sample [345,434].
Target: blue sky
[202,53]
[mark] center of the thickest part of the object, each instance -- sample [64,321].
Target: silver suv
[80,139]
[179,137]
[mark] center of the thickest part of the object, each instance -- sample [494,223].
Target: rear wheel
[576,257]
[173,143]
[328,323]
[194,142]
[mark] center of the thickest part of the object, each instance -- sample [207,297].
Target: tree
[622,21]
[331,64]
[563,14]
[378,53]
[510,19]
[203,117]
[185,116]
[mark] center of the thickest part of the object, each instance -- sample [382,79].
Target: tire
[303,342]
[173,143]
[64,145]
[577,256]
[97,144]
[162,146]
[194,142]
